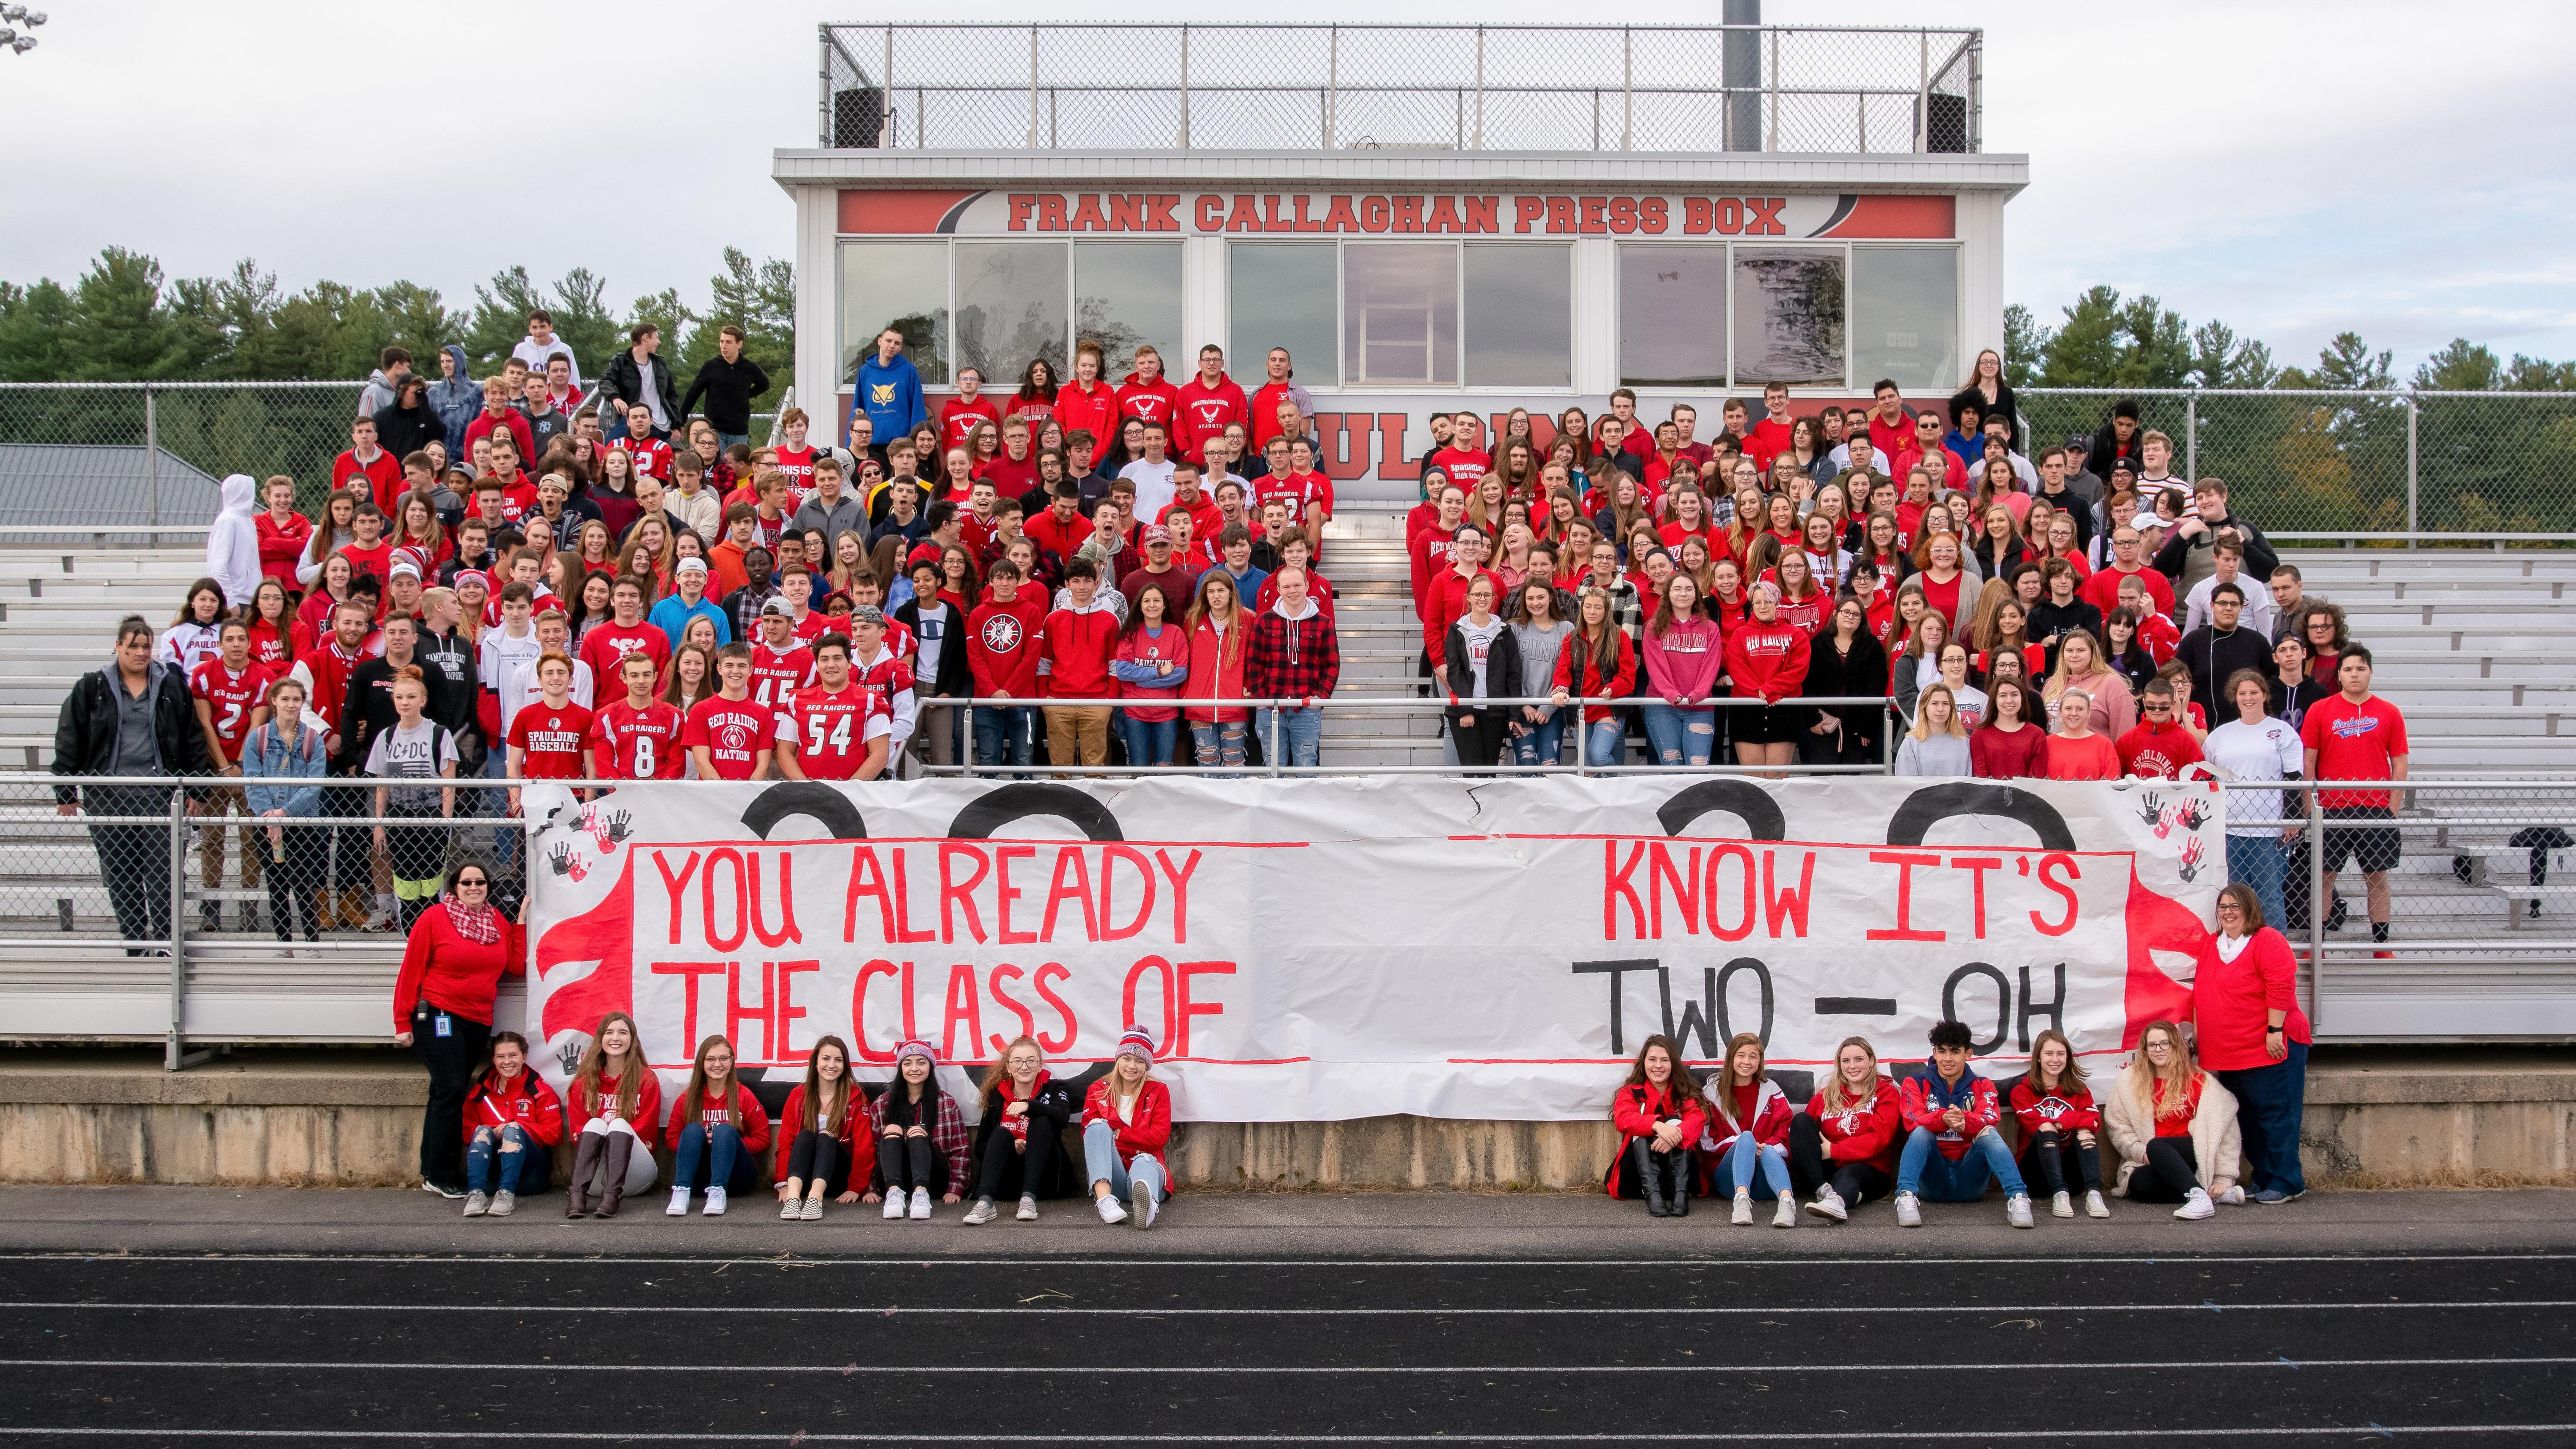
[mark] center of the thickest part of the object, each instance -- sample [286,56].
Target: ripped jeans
[1680,736]
[506,1159]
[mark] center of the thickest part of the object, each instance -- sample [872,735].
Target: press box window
[903,285]
[1905,316]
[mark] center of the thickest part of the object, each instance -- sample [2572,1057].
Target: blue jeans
[720,1148]
[1293,737]
[1923,1171]
[505,840]
[726,440]
[2258,861]
[1543,745]
[1150,741]
[1219,744]
[1737,1168]
[2270,1102]
[1100,1164]
[1680,736]
[1605,742]
[520,1158]
[1005,734]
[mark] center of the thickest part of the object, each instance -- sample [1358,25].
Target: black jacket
[1861,672]
[2260,559]
[85,734]
[2050,621]
[371,704]
[1051,1110]
[403,432]
[624,381]
[956,678]
[1502,667]
[2212,657]
[728,388]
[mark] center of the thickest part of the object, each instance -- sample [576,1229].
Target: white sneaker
[1110,1212]
[2094,1207]
[503,1204]
[1140,1204]
[1743,1208]
[1909,1210]
[813,1211]
[894,1203]
[921,1204]
[679,1207]
[715,1203]
[2017,1210]
[981,1213]
[2196,1206]
[1028,1208]
[476,1204]
[2060,1205]
[792,1209]
[1786,1215]
[1829,1204]
[2234,1196]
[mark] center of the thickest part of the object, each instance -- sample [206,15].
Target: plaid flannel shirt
[1292,658]
[948,1136]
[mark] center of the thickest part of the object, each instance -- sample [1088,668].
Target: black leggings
[2045,1161]
[1853,1182]
[819,1157]
[904,1163]
[1001,1164]
[2172,1171]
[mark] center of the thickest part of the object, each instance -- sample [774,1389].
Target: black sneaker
[2334,915]
[450,1193]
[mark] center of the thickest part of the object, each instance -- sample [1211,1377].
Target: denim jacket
[265,755]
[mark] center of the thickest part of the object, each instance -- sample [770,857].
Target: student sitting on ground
[1748,1124]
[1660,1115]
[512,1122]
[1019,1135]
[717,1127]
[1127,1120]
[920,1136]
[1842,1148]
[2174,1127]
[816,1135]
[1951,1144]
[2057,1121]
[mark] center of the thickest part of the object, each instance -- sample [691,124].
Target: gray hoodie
[456,400]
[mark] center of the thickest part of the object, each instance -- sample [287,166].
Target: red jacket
[1770,1124]
[647,1121]
[1766,659]
[1096,411]
[1265,411]
[1926,1097]
[281,547]
[1589,682]
[2232,1001]
[1074,656]
[1872,1135]
[482,427]
[527,1102]
[1003,643]
[1445,603]
[1146,1134]
[2067,1111]
[792,1125]
[1154,402]
[746,1114]
[1203,412]
[958,417]
[1636,1111]
[453,974]
[1218,660]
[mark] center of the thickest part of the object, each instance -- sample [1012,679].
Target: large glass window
[1788,316]
[1281,294]
[1672,316]
[898,284]
[1125,293]
[1010,307]
[1520,314]
[1400,314]
[1905,316]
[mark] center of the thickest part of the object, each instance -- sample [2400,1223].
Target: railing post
[2412,491]
[1033,87]
[175,1050]
[1627,91]
[152,458]
[1977,92]
[1771,141]
[823,136]
[1923,94]
[1185,88]
[2191,434]
[2316,840]
[885,117]
[1332,80]
[1480,88]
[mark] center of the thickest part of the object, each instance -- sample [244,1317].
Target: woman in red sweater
[1843,1148]
[1126,1121]
[451,969]
[1766,658]
[1748,1124]
[2008,746]
[1660,1115]
[2058,1122]
[2076,752]
[512,1122]
[817,1134]
[2245,1017]
[716,1122]
[615,1107]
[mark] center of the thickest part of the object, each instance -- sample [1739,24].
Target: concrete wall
[352,1119]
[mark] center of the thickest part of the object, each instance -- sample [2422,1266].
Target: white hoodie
[232,544]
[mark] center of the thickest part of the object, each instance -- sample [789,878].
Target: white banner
[1310,950]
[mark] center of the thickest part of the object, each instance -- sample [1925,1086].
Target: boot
[1651,1175]
[1681,1186]
[326,909]
[613,1186]
[210,917]
[585,1162]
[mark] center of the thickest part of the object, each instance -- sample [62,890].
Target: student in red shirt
[1773,435]
[637,737]
[231,691]
[2058,1122]
[2102,590]
[382,470]
[284,534]
[780,662]
[1088,404]
[1005,639]
[1145,394]
[837,728]
[1205,404]
[1843,1147]
[717,1127]
[2252,1036]
[625,632]
[500,418]
[733,735]
[2357,736]
[960,415]
[2076,752]
[1073,663]
[1462,462]
[795,459]
[549,734]
[2157,747]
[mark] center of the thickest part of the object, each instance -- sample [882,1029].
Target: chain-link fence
[1464,87]
[2319,466]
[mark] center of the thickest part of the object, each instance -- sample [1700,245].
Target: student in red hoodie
[1660,1114]
[283,533]
[818,1135]
[1766,657]
[1951,1144]
[2156,747]
[2058,1123]
[717,1125]
[1073,663]
[1748,1132]
[1842,1148]
[1146,395]
[1019,1137]
[1206,403]
[512,1122]
[615,1110]
[1089,403]
[1005,640]
[1126,1122]
[451,970]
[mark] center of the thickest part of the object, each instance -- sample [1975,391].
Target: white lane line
[1736,1436]
[418,1260]
[1141,1311]
[852,1370]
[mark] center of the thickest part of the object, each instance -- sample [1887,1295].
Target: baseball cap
[776,605]
[691,565]
[866,614]
[1157,533]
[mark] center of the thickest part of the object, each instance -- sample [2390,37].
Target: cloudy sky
[2296,169]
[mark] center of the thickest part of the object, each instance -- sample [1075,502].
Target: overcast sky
[2296,169]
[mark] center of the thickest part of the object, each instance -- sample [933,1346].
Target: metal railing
[2394,467]
[1402,87]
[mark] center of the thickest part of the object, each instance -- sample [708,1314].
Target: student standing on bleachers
[2358,736]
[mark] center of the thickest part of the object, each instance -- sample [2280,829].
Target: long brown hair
[1831,1096]
[693,1096]
[2072,1081]
[630,1082]
[1683,1085]
[827,1123]
[1723,1085]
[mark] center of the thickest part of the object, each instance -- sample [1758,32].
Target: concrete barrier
[2469,1117]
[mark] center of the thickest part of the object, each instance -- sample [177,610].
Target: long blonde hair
[1832,1097]
[630,1080]
[2139,1076]
[2059,679]
[1231,639]
[1923,714]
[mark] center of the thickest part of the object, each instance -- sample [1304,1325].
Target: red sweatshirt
[792,1125]
[281,546]
[1767,659]
[2231,1001]
[1075,652]
[580,1107]
[1636,1111]
[1145,1135]
[743,1112]
[1154,402]
[1004,643]
[1204,410]
[1926,1097]
[1096,410]
[453,974]
[1870,1134]
[1589,681]
[2068,1109]
[527,1102]
[1769,1122]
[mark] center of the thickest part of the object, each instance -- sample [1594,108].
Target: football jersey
[888,674]
[832,729]
[734,731]
[637,744]
[776,674]
[552,740]
[231,697]
[652,456]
